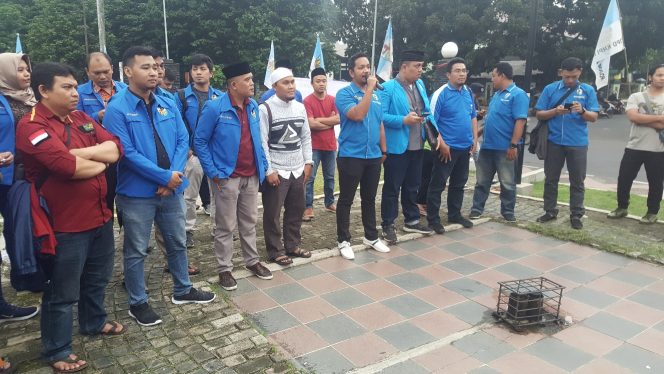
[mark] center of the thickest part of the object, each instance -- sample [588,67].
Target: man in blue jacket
[503,128]
[404,101]
[150,182]
[190,101]
[456,118]
[568,138]
[362,150]
[228,144]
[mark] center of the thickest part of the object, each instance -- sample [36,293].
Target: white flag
[609,43]
[270,67]
[384,69]
[317,60]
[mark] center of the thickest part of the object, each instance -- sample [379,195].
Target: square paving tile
[463,266]
[365,349]
[354,276]
[545,241]
[483,346]
[539,263]
[405,336]
[611,325]
[637,360]
[631,277]
[436,254]
[467,287]
[410,262]
[460,249]
[447,359]
[311,309]
[379,289]
[410,281]
[336,328]
[374,316]
[408,366]
[650,340]
[559,255]
[333,264]
[613,287]
[519,362]
[243,286]
[437,273]
[287,293]
[439,323]
[509,252]
[660,326]
[414,245]
[486,370]
[299,340]
[591,297]
[501,238]
[575,274]
[408,305]
[517,271]
[486,259]
[383,268]
[601,366]
[636,312]
[459,234]
[612,258]
[470,312]
[365,257]
[322,284]
[279,278]
[650,299]
[348,298]
[303,271]
[326,361]
[252,302]
[559,354]
[588,340]
[439,296]
[274,320]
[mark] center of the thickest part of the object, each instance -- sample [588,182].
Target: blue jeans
[82,267]
[402,174]
[137,216]
[489,162]
[328,159]
[457,171]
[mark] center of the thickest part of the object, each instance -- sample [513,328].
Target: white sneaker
[346,250]
[377,244]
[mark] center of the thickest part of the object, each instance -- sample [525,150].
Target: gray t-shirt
[643,138]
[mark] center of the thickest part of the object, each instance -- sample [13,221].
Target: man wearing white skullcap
[286,140]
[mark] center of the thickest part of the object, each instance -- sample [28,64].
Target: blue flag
[19,48]
[384,69]
[317,59]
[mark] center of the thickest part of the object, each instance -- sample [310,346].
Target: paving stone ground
[327,311]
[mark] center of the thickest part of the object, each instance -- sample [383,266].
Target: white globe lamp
[449,50]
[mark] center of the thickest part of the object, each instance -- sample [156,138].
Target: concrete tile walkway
[426,307]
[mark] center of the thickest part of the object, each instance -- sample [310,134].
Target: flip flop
[299,252]
[69,360]
[114,329]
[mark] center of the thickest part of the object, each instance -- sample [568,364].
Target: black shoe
[260,271]
[194,296]
[144,314]
[463,221]
[509,218]
[226,281]
[390,234]
[9,313]
[576,223]
[437,228]
[474,215]
[190,239]
[418,228]
[546,217]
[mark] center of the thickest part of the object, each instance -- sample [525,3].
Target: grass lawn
[599,199]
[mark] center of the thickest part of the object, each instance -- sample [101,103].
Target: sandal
[299,252]
[71,359]
[114,329]
[193,270]
[283,260]
[4,369]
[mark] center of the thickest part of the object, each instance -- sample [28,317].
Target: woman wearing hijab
[16,99]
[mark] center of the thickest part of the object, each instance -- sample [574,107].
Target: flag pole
[373,43]
[629,84]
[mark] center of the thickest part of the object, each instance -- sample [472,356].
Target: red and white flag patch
[38,137]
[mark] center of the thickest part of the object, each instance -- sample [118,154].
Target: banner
[384,70]
[270,67]
[609,43]
[317,60]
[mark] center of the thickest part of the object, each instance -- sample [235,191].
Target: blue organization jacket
[191,114]
[7,139]
[127,118]
[90,102]
[395,107]
[165,94]
[217,138]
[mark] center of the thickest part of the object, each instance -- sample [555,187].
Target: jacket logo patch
[214,96]
[162,111]
[87,128]
[37,137]
[253,113]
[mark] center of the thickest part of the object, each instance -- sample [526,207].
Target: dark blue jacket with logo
[91,102]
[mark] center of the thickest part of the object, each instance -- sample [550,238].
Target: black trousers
[289,194]
[366,174]
[630,165]
[427,165]
[456,170]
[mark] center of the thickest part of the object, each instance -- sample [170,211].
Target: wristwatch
[583,110]
[512,145]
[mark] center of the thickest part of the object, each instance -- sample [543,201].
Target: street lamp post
[168,57]
[101,25]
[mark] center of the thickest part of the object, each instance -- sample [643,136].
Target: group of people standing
[148,150]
